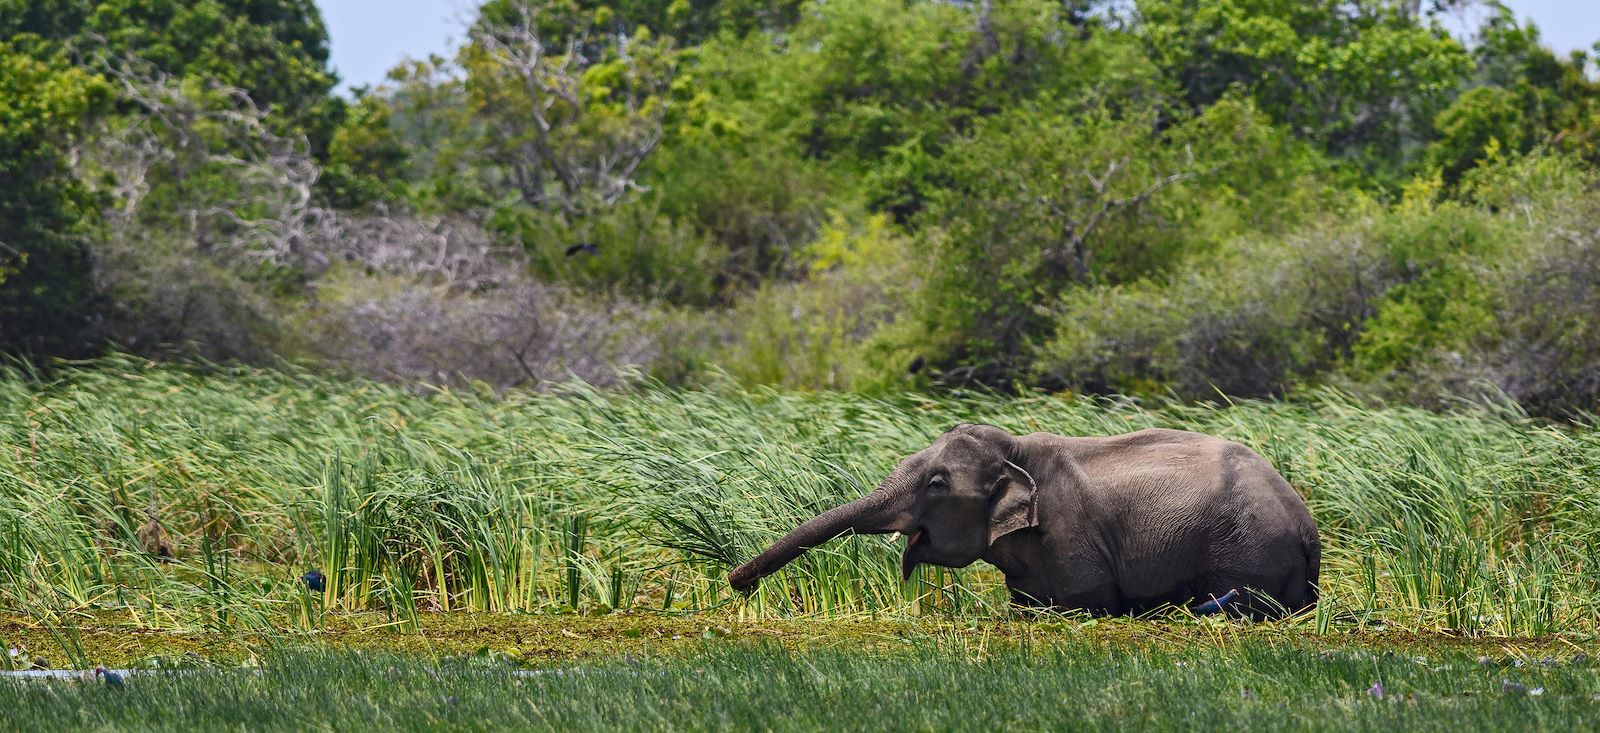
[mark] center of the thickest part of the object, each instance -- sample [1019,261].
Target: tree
[45,214]
[563,131]
[1479,122]
[1035,189]
[367,161]
[1329,69]
[1555,100]
[1050,197]
[883,87]
[694,21]
[275,50]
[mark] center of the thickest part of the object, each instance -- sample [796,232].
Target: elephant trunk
[879,512]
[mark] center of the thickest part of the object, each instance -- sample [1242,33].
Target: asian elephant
[1110,525]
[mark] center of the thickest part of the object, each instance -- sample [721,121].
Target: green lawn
[929,686]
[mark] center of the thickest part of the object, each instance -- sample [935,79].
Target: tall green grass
[582,500]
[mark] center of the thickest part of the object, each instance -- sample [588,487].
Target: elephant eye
[937,482]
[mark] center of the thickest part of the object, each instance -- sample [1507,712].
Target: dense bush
[826,332]
[1429,302]
[1254,319]
[750,198]
[1056,200]
[1544,350]
[631,249]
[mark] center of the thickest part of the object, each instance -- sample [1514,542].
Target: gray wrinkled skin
[1113,525]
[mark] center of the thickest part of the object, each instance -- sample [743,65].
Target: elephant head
[953,499]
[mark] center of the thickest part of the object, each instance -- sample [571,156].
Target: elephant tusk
[909,557]
[894,537]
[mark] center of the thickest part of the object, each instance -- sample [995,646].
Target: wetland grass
[1481,522]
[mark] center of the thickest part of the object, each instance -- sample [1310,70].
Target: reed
[1480,521]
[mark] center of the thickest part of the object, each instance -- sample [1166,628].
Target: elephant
[1121,524]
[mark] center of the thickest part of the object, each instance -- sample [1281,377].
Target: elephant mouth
[913,553]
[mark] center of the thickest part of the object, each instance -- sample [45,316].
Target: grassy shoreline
[543,640]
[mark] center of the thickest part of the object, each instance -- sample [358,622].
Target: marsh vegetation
[190,501]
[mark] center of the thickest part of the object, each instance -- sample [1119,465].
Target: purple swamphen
[314,580]
[112,678]
[1216,603]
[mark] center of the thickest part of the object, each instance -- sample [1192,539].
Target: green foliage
[46,215]
[1249,320]
[1429,301]
[761,207]
[632,249]
[368,160]
[730,167]
[1040,186]
[425,110]
[1055,198]
[877,74]
[1477,125]
[1557,97]
[164,300]
[562,130]
[1325,68]
[275,50]
[1439,300]
[1533,185]
[886,86]
[692,21]
[820,333]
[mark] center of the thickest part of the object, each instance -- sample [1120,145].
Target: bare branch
[591,155]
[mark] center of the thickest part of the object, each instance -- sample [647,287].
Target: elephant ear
[1016,504]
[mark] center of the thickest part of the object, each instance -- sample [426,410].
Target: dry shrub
[520,333]
[218,246]
[161,302]
[1544,351]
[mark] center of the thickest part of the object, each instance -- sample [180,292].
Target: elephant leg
[1103,603]
[1269,571]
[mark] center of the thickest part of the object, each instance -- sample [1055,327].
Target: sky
[371,36]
